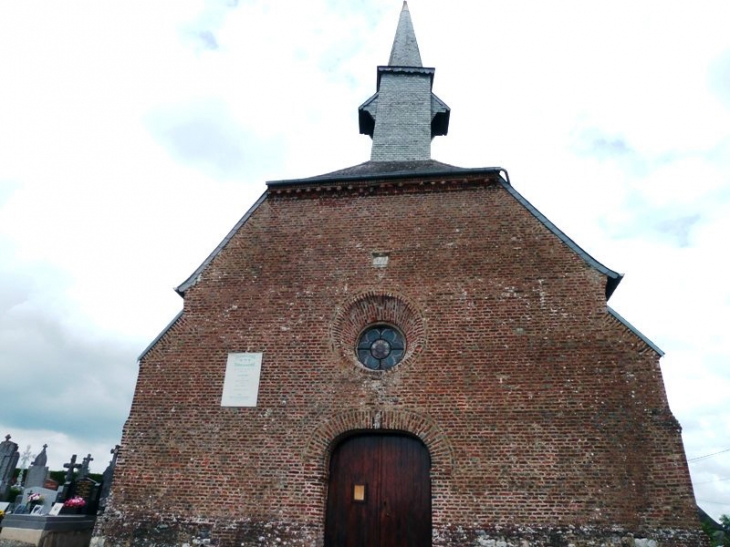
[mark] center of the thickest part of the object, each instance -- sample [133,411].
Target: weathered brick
[545,416]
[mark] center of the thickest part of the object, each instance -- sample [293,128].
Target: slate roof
[404,115]
[405,47]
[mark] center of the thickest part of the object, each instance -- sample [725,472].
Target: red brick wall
[544,415]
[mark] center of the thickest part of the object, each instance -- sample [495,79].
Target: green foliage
[57,476]
[718,538]
[14,492]
[60,476]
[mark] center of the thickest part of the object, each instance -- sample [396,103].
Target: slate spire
[405,47]
[404,115]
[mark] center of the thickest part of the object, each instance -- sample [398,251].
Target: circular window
[381,347]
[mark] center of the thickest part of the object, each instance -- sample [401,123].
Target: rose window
[381,347]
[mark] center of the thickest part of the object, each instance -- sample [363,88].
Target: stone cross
[24,457]
[115,453]
[8,458]
[85,466]
[72,466]
[106,483]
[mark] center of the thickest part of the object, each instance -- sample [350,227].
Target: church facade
[400,353]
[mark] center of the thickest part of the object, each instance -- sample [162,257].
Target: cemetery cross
[85,466]
[24,457]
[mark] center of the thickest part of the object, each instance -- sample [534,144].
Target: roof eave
[159,336]
[613,278]
[419,70]
[636,331]
[388,176]
[193,279]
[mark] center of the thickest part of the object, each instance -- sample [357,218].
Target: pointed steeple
[404,115]
[405,47]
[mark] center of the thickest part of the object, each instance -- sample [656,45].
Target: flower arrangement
[76,501]
[35,498]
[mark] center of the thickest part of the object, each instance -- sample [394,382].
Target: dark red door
[379,493]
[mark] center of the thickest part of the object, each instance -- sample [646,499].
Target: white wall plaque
[241,385]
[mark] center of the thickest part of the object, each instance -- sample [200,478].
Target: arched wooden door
[379,493]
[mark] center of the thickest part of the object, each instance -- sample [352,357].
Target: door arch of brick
[326,436]
[379,492]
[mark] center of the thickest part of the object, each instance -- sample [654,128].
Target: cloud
[7,188]
[208,39]
[205,134]
[679,228]
[124,162]
[86,379]
[202,26]
[61,446]
[719,77]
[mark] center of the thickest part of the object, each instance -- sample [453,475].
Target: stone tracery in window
[381,347]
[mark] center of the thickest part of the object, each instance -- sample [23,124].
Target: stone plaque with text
[241,384]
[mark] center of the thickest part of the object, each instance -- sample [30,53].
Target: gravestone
[38,472]
[88,489]
[67,490]
[49,497]
[8,459]
[108,477]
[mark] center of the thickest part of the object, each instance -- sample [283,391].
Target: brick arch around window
[326,436]
[371,308]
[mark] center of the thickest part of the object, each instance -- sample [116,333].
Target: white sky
[134,134]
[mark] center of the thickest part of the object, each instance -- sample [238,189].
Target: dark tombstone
[67,491]
[37,472]
[106,482]
[9,456]
[89,490]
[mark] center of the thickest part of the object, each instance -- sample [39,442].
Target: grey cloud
[205,135]
[208,20]
[673,223]
[56,380]
[593,142]
[207,38]
[679,228]
[610,147]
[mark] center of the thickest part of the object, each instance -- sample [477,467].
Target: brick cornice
[377,186]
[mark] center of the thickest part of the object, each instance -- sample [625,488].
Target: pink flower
[76,501]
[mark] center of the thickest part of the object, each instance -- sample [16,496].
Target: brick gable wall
[545,417]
